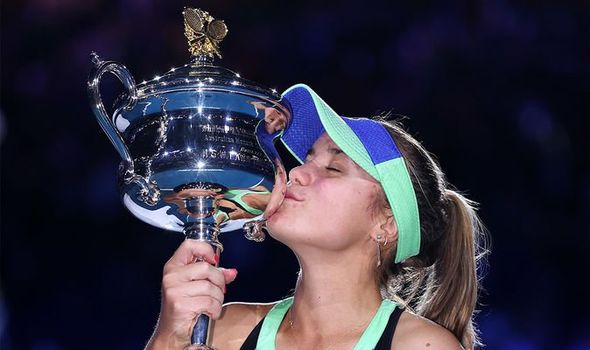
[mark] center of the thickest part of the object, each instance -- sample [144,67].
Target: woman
[388,253]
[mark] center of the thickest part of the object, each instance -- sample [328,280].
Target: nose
[301,175]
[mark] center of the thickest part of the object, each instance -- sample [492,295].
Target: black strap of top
[250,343]
[387,335]
[383,344]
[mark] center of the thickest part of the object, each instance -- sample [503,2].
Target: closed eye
[333,169]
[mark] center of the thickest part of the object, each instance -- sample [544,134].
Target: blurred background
[497,90]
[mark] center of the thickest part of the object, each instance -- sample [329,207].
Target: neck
[334,295]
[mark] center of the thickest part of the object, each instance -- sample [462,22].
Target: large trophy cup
[196,144]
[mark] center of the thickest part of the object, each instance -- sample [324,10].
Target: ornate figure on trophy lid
[204,33]
[197,144]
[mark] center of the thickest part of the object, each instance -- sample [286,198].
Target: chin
[277,225]
[283,227]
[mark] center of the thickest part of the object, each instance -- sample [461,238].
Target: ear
[386,227]
[390,228]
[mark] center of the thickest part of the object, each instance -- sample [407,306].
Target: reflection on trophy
[197,145]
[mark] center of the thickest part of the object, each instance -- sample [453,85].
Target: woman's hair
[441,282]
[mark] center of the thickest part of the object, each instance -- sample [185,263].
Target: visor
[368,144]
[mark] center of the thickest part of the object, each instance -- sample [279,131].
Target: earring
[378,239]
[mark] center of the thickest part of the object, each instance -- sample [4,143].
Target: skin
[274,120]
[327,220]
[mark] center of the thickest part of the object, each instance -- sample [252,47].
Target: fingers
[229,275]
[184,295]
[188,252]
[190,287]
[193,306]
[193,272]
[195,289]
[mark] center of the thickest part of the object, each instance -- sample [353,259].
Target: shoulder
[416,332]
[236,322]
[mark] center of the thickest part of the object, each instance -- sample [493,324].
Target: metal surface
[197,145]
[195,124]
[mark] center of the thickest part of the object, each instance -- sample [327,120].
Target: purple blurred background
[498,91]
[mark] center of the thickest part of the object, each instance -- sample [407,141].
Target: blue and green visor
[368,144]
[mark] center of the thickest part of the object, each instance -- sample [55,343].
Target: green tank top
[368,340]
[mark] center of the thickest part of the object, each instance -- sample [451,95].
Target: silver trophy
[197,145]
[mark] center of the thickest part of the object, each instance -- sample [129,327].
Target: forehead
[325,144]
[324,141]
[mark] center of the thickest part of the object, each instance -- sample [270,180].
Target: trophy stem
[205,230]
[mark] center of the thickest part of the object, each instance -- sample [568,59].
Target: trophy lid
[204,34]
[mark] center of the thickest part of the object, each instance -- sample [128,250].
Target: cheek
[348,210]
[340,215]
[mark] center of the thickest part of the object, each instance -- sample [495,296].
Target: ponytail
[450,292]
[441,282]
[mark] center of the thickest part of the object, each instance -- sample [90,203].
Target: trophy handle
[149,192]
[106,122]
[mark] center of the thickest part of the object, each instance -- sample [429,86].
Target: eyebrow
[332,150]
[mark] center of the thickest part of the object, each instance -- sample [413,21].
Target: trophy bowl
[197,144]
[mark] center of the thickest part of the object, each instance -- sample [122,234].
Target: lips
[293,196]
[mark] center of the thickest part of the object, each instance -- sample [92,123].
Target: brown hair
[441,282]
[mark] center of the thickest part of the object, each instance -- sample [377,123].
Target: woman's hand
[189,288]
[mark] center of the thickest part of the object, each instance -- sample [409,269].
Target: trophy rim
[201,78]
